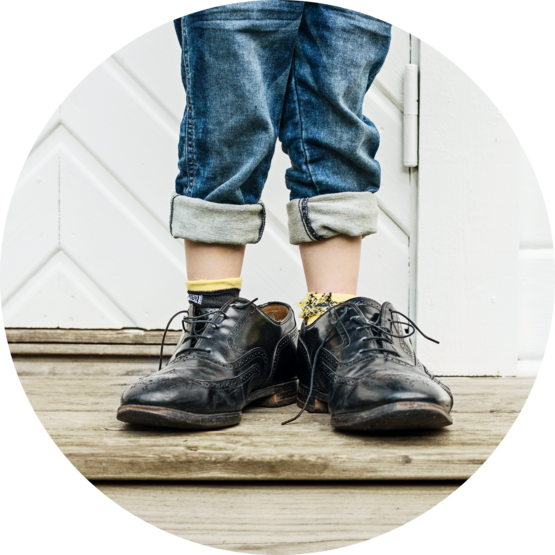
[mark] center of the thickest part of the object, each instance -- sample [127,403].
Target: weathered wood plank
[261,449]
[79,414]
[277,518]
[76,366]
[119,337]
[82,349]
[473,395]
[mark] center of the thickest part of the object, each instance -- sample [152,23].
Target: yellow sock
[315,304]
[214,284]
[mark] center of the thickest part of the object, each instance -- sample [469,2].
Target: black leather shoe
[357,362]
[226,358]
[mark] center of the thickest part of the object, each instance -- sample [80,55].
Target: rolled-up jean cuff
[321,217]
[211,222]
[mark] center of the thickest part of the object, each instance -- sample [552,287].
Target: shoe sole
[275,396]
[405,415]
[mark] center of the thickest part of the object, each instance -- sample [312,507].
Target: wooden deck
[258,487]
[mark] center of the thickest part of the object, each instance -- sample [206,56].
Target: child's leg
[213,261]
[332,146]
[235,64]
[332,265]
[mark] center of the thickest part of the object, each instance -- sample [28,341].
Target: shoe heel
[314,405]
[283,395]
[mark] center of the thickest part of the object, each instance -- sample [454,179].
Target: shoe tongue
[206,313]
[370,308]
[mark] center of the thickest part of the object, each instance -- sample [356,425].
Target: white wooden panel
[390,78]
[114,144]
[384,267]
[394,194]
[128,132]
[31,232]
[535,232]
[117,243]
[60,295]
[154,60]
[537,283]
[51,124]
[467,276]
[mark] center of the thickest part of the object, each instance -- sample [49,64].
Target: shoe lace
[384,334]
[379,333]
[198,325]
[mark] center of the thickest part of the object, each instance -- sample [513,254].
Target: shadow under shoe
[357,362]
[226,358]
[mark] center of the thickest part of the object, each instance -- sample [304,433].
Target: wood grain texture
[277,518]
[468,235]
[78,411]
[83,349]
[129,336]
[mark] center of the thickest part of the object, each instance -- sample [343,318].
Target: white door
[87,242]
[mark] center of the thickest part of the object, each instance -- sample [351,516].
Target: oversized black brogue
[226,358]
[357,362]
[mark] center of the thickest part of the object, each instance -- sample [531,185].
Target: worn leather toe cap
[382,387]
[170,391]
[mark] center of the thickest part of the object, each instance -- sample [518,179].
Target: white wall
[485,258]
[536,272]
[87,241]
[463,241]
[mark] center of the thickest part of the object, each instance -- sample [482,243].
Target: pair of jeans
[256,71]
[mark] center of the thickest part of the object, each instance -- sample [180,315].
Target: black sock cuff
[213,299]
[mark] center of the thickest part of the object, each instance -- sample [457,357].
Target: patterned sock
[315,304]
[213,293]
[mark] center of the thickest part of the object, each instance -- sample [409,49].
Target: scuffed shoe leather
[226,359]
[367,374]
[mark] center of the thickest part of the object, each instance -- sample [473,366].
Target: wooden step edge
[86,349]
[82,336]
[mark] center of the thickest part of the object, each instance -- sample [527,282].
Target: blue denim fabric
[254,71]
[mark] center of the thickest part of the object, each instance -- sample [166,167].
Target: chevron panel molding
[97,186]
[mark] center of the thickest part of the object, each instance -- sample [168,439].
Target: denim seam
[263,224]
[190,117]
[294,78]
[311,232]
